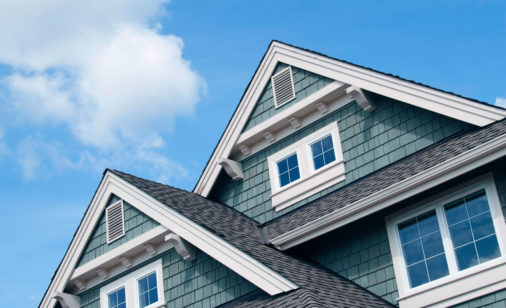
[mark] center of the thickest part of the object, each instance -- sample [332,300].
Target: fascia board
[405,91]
[230,256]
[465,162]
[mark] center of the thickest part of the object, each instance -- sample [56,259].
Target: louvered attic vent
[282,87]
[114,219]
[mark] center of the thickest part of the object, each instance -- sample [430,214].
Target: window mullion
[447,242]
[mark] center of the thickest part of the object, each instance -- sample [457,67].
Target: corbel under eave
[183,248]
[360,97]
[67,300]
[233,168]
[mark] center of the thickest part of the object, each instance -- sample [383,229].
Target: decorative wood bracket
[245,150]
[126,261]
[183,248]
[269,137]
[67,300]
[81,285]
[150,249]
[233,168]
[103,274]
[294,122]
[322,107]
[359,96]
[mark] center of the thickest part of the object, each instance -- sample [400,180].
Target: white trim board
[421,96]
[465,162]
[238,261]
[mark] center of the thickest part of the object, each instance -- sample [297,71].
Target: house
[333,185]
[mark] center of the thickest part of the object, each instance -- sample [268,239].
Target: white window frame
[129,282]
[311,181]
[457,286]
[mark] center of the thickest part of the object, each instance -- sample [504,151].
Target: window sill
[306,187]
[449,291]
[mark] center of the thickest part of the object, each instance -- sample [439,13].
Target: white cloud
[501,102]
[100,69]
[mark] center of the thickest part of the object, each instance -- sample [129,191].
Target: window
[139,289]
[288,170]
[448,240]
[148,293]
[306,167]
[117,299]
[323,152]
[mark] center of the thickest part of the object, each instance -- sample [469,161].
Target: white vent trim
[114,221]
[282,87]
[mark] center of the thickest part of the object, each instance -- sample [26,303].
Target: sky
[148,86]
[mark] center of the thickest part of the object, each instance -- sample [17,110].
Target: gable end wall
[369,141]
[136,223]
[202,283]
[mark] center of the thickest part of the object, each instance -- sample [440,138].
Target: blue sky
[148,86]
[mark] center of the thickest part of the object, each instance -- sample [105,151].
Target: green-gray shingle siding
[136,223]
[363,254]
[202,283]
[305,83]
[369,141]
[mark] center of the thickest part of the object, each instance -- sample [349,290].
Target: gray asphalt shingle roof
[317,286]
[422,160]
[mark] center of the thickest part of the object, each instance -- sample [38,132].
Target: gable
[174,231]
[348,80]
[370,141]
[305,83]
[135,222]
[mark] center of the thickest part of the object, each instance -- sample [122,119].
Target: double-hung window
[142,288]
[449,239]
[306,167]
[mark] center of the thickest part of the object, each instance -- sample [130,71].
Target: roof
[392,174]
[245,234]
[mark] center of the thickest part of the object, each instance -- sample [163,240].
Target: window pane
[432,244]
[316,148]
[428,224]
[477,204]
[482,225]
[323,152]
[417,274]
[422,248]
[294,174]
[117,299]
[292,161]
[437,267]
[413,252]
[329,157]
[473,238]
[318,162]
[149,295]
[466,256]
[283,166]
[153,295]
[456,212]
[408,231]
[461,233]
[488,248]
[288,170]
[327,143]
[284,179]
